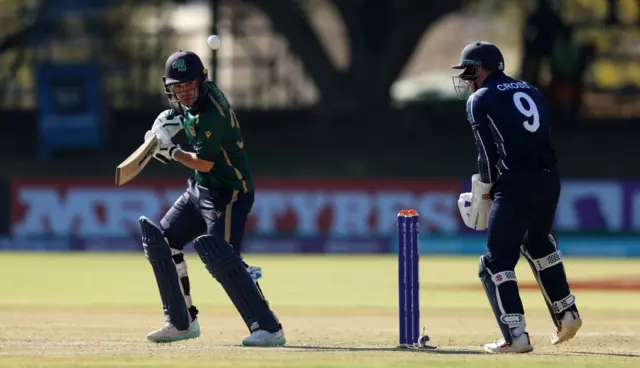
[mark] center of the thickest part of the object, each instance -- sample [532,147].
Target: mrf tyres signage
[302,208]
[95,208]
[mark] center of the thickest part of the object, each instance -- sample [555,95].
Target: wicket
[409,279]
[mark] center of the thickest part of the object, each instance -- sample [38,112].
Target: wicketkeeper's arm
[487,154]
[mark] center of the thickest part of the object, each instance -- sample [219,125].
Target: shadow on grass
[447,350]
[438,350]
[604,354]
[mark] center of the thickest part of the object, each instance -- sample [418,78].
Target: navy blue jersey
[511,127]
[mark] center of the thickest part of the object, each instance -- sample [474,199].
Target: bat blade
[133,165]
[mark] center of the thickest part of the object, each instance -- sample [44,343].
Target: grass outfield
[94,310]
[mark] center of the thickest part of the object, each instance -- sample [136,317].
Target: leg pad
[546,263]
[159,254]
[502,291]
[226,266]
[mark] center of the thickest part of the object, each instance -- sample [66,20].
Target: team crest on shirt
[207,134]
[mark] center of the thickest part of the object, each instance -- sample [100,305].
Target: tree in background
[110,33]
[382,36]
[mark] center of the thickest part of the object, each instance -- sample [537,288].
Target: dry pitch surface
[94,310]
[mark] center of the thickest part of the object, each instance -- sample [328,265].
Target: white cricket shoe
[169,333]
[265,338]
[569,326]
[521,344]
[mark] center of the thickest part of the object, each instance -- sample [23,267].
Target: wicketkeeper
[514,196]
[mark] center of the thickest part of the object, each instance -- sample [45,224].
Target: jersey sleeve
[487,154]
[212,124]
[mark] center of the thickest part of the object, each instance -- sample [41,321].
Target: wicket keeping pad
[226,266]
[546,263]
[501,287]
[158,252]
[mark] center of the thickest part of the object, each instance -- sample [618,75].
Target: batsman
[212,212]
[514,196]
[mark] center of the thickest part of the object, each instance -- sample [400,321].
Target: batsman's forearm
[190,160]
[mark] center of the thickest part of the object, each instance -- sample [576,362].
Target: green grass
[94,310]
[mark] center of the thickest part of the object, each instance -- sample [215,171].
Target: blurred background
[346,106]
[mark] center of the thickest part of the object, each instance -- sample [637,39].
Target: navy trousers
[200,211]
[523,210]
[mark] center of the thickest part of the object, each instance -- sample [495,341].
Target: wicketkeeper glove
[476,214]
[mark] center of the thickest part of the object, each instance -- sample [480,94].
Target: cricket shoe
[169,333]
[569,326]
[265,338]
[520,344]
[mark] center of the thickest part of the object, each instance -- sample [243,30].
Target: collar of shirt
[493,78]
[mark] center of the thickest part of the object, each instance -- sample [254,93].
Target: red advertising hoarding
[354,208]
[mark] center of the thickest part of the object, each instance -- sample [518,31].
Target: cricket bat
[131,167]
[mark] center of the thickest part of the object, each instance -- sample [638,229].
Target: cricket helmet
[182,67]
[476,54]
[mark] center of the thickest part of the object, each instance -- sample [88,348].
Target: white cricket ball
[214,42]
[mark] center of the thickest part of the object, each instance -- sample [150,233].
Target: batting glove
[167,125]
[165,152]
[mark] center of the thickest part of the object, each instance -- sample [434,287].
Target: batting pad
[502,291]
[158,252]
[226,266]
[550,275]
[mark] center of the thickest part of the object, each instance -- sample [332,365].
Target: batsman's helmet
[181,67]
